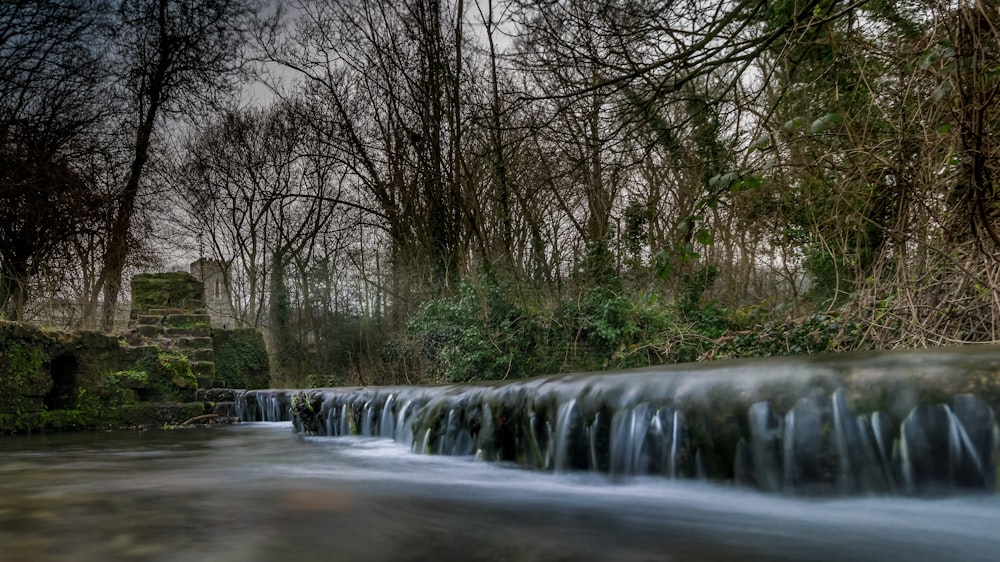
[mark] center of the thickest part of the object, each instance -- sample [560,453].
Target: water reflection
[258,492]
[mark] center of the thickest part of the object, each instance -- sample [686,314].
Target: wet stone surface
[795,425]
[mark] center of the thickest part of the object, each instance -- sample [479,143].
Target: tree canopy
[452,190]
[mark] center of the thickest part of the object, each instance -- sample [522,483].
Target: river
[260,492]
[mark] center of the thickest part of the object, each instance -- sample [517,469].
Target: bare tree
[390,78]
[51,82]
[172,55]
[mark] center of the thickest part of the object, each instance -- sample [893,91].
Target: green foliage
[475,334]
[623,330]
[178,368]
[598,263]
[22,378]
[23,362]
[606,318]
[170,377]
[315,380]
[816,334]
[240,358]
[636,217]
[130,379]
[483,332]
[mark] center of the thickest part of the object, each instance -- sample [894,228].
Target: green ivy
[240,358]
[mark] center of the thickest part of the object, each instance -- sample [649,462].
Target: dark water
[259,492]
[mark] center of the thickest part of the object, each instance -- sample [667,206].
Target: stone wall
[215,276]
[156,374]
[168,312]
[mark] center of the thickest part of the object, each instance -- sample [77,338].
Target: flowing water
[260,492]
[908,423]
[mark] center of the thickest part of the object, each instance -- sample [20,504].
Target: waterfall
[780,425]
[264,405]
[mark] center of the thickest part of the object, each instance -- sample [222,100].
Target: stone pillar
[168,309]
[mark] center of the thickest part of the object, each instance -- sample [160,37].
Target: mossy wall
[178,290]
[23,381]
[240,358]
[43,372]
[53,380]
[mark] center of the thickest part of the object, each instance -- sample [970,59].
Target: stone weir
[913,422]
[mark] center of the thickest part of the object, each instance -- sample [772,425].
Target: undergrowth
[492,330]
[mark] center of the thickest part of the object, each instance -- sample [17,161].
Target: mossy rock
[191,331]
[56,381]
[135,380]
[204,372]
[54,420]
[170,374]
[156,414]
[192,342]
[149,320]
[179,290]
[148,331]
[21,370]
[203,355]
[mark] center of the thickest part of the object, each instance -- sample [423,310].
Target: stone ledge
[193,342]
[194,331]
[202,355]
[186,320]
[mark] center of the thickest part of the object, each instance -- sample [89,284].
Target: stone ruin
[168,310]
[168,368]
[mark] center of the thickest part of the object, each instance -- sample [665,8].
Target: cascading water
[264,406]
[788,425]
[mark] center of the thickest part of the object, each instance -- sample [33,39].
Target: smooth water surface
[259,492]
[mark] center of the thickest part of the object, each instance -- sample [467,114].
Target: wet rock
[304,412]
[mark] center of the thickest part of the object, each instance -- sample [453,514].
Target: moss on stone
[23,379]
[240,358]
[55,380]
[174,289]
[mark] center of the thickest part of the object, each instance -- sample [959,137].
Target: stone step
[193,331]
[156,414]
[147,331]
[203,367]
[163,311]
[203,354]
[225,409]
[189,342]
[204,371]
[148,320]
[186,320]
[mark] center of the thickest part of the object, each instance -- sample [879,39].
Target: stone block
[204,371]
[179,290]
[191,342]
[200,367]
[147,331]
[162,312]
[202,355]
[186,320]
[225,409]
[241,358]
[217,394]
[192,331]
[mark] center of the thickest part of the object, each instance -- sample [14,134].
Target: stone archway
[63,395]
